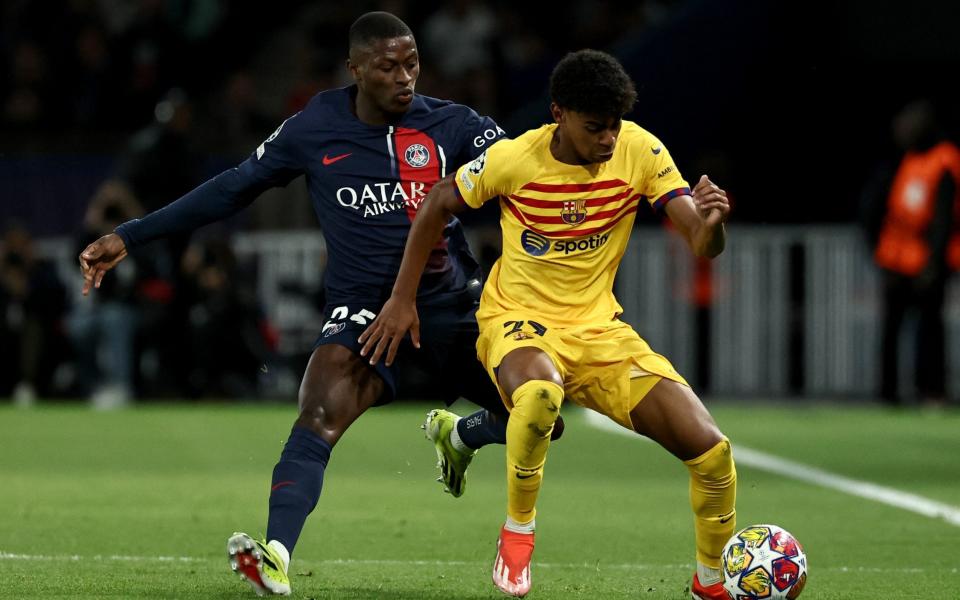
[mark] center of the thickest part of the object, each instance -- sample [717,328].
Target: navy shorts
[447,355]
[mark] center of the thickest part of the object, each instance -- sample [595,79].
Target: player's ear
[354,70]
[556,112]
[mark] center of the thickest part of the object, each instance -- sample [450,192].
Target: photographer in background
[32,305]
[103,329]
[229,337]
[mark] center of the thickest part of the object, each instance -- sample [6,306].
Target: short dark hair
[593,83]
[374,26]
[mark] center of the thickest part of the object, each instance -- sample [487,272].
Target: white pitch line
[334,561]
[97,557]
[432,563]
[794,470]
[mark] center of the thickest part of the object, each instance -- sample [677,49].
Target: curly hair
[593,83]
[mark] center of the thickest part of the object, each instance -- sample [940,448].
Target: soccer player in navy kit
[370,152]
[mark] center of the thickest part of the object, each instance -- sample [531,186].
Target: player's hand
[396,318]
[98,258]
[711,202]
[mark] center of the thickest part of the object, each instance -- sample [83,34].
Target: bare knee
[336,389]
[672,415]
[315,413]
[708,437]
[523,365]
[698,438]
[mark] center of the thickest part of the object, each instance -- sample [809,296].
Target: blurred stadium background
[113,107]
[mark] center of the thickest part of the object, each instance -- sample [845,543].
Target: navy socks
[481,428]
[295,490]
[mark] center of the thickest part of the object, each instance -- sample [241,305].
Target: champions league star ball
[763,561]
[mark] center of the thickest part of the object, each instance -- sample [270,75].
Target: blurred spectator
[526,61]
[915,230]
[91,79]
[159,166]
[28,100]
[103,328]
[229,336]
[32,306]
[151,46]
[458,38]
[128,340]
[160,162]
[241,120]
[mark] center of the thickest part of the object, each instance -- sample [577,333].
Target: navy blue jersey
[366,183]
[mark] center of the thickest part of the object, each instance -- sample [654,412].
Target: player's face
[589,138]
[386,73]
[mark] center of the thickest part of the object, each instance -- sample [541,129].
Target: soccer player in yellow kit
[548,318]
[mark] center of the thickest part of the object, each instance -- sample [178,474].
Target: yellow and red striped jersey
[565,227]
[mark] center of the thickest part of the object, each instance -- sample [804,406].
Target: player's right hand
[711,202]
[396,318]
[98,258]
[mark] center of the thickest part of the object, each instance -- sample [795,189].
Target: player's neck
[563,150]
[369,114]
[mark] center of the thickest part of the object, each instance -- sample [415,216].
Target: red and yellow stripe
[532,211]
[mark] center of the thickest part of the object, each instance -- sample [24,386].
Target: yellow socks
[536,405]
[713,493]
[713,476]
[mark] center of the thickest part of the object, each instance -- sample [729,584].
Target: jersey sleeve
[661,180]
[279,159]
[475,135]
[487,176]
[275,162]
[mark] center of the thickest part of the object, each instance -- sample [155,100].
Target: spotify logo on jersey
[534,243]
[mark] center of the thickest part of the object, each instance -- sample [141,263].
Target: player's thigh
[337,387]
[448,353]
[472,382]
[514,350]
[527,363]
[609,363]
[672,415]
[342,327]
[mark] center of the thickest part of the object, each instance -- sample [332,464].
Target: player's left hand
[711,202]
[396,318]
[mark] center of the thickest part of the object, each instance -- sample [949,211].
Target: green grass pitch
[139,504]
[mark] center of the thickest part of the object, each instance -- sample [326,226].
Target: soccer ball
[763,561]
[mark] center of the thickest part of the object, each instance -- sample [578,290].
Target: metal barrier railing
[794,310]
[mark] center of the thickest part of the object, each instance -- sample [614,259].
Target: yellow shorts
[596,362]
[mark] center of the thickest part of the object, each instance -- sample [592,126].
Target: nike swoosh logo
[656,150]
[281,484]
[519,476]
[327,161]
[726,517]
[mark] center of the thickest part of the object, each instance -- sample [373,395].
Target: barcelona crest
[574,212]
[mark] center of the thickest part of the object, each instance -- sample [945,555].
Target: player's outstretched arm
[700,218]
[98,258]
[399,314]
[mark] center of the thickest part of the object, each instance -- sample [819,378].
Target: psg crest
[417,155]
[574,212]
